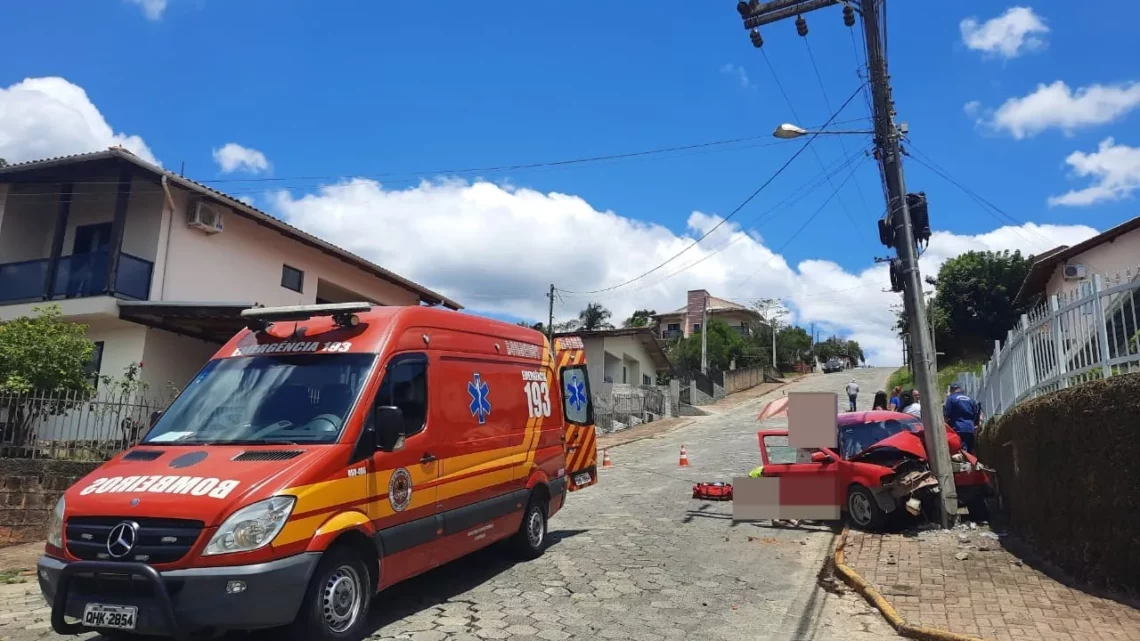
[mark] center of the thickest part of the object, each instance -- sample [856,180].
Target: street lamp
[787,131]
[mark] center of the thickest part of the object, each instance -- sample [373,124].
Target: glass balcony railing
[77,276]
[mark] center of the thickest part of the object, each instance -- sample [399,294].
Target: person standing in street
[896,402]
[963,415]
[852,393]
[915,407]
[880,402]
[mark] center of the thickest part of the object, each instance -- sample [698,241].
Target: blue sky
[395,91]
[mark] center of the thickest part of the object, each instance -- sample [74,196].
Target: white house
[630,356]
[158,266]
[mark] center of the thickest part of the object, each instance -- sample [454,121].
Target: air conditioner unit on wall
[205,216]
[1074,272]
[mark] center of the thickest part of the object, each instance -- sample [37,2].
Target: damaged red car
[881,467]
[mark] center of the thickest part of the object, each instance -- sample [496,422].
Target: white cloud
[1115,170]
[498,248]
[1057,106]
[1009,35]
[972,108]
[233,157]
[737,72]
[46,117]
[152,9]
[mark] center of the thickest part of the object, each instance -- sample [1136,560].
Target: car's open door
[578,412]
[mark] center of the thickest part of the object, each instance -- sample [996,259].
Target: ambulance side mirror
[388,422]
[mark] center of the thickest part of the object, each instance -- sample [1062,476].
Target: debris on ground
[962,556]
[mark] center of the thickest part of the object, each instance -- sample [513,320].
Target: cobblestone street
[632,558]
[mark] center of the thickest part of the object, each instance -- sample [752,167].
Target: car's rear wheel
[863,510]
[337,600]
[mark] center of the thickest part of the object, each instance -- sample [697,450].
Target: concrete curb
[860,585]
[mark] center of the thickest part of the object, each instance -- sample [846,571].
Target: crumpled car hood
[911,443]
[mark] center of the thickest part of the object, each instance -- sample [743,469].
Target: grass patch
[9,577]
[946,375]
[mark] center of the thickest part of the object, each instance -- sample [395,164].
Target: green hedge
[1069,473]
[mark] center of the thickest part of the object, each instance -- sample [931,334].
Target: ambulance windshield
[265,399]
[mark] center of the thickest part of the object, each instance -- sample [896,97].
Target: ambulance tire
[337,602]
[530,541]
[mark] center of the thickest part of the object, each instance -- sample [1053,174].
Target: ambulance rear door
[578,412]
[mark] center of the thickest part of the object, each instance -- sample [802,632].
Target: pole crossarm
[776,10]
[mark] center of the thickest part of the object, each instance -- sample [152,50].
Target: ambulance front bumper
[178,602]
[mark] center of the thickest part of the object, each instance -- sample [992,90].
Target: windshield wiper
[252,441]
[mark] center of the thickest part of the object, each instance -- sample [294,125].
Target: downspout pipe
[169,231]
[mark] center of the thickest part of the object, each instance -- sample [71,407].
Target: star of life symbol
[576,393]
[480,405]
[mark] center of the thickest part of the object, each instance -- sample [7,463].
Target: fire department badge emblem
[400,490]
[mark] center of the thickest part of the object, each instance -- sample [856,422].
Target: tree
[594,317]
[45,354]
[44,369]
[793,343]
[640,318]
[725,344]
[974,301]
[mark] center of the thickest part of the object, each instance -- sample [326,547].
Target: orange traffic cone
[606,459]
[684,457]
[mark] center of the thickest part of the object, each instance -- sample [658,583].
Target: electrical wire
[796,195]
[736,210]
[993,210]
[827,102]
[780,250]
[792,108]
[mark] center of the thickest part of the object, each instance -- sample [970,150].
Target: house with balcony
[686,321]
[159,266]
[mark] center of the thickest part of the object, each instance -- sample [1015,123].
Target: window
[266,399]
[674,327]
[645,380]
[292,278]
[576,403]
[780,452]
[696,327]
[405,386]
[95,364]
[624,375]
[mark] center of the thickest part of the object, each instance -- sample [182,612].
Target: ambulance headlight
[251,527]
[55,524]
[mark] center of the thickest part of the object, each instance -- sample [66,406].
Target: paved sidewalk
[964,581]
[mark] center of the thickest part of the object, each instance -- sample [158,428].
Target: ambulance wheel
[336,603]
[863,509]
[530,541]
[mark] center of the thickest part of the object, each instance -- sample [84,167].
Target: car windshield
[857,437]
[266,399]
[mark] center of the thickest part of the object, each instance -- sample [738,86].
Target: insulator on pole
[757,39]
[848,15]
[801,26]
[743,8]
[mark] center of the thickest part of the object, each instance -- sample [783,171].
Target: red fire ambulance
[325,453]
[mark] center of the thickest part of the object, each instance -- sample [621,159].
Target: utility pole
[550,323]
[705,336]
[774,321]
[889,156]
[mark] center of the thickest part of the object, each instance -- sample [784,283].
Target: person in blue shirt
[963,415]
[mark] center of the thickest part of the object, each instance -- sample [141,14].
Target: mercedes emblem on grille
[122,539]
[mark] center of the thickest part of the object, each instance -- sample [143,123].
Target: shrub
[1069,473]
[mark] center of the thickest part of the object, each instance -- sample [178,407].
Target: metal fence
[1089,334]
[624,407]
[71,426]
